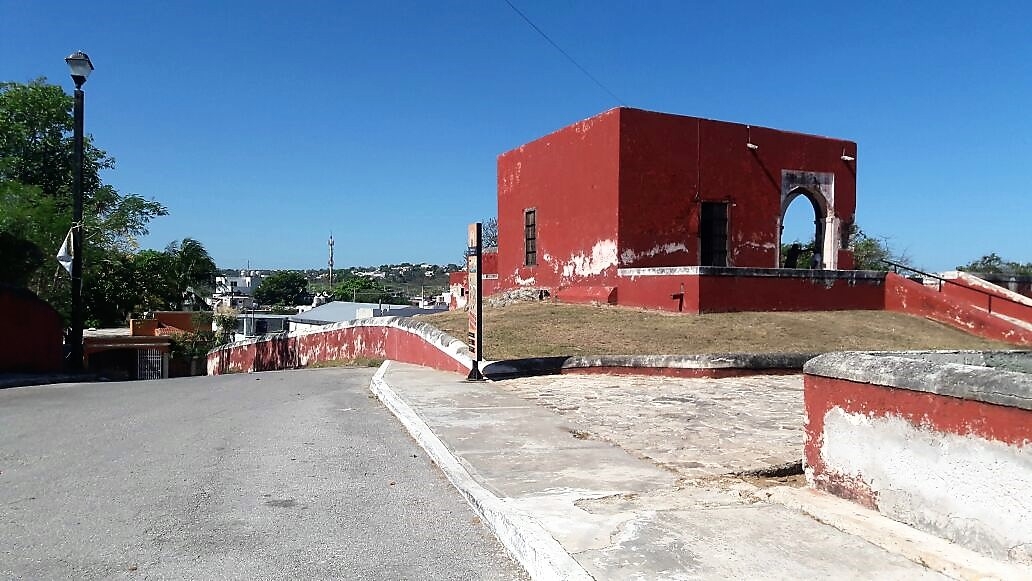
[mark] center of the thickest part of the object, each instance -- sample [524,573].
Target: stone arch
[819,189]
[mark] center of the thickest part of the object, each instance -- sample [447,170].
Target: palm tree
[191,268]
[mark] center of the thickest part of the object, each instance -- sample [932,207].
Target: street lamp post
[81,67]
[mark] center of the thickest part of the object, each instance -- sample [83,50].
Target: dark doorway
[802,227]
[713,234]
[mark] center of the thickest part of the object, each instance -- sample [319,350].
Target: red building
[633,207]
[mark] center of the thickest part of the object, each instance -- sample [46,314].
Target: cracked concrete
[619,514]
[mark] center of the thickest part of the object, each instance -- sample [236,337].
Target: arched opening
[802,225]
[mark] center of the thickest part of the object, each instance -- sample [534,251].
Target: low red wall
[931,411]
[988,297]
[940,446]
[764,291]
[912,298]
[410,343]
[721,294]
[677,293]
[33,337]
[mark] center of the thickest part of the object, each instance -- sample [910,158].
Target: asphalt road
[293,474]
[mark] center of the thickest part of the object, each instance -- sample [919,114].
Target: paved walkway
[625,478]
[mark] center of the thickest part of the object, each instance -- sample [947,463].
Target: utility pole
[331,262]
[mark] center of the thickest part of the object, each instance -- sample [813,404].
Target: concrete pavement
[617,477]
[282,475]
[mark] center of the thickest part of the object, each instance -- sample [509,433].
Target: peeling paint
[628,256]
[602,257]
[966,489]
[520,281]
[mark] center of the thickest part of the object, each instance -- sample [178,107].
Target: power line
[564,53]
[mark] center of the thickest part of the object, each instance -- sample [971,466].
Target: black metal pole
[75,336]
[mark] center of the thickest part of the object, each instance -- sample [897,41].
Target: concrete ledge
[527,541]
[703,365]
[857,275]
[960,374]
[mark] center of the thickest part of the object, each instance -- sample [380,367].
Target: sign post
[475,302]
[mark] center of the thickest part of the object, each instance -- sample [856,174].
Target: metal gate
[149,363]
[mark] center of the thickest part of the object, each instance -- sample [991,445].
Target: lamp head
[80,65]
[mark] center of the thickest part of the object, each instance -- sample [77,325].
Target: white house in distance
[236,292]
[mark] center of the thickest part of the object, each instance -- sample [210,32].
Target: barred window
[530,237]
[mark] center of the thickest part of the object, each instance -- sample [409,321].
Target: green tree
[870,252]
[357,288]
[36,194]
[286,287]
[994,264]
[191,268]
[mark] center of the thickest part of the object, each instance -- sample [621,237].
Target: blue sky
[265,125]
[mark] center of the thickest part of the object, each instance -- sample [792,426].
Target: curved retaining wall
[940,441]
[397,338]
[711,365]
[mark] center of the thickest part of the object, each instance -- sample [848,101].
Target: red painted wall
[289,352]
[572,178]
[33,334]
[912,298]
[660,292]
[723,294]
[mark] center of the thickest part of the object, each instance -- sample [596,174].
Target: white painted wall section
[972,491]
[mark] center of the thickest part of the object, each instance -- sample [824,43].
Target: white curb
[933,552]
[530,544]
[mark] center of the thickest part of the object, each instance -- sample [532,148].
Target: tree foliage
[870,252]
[366,290]
[37,171]
[489,233]
[286,287]
[994,264]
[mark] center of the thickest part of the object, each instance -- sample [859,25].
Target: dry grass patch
[547,328]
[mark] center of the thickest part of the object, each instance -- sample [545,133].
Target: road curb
[531,546]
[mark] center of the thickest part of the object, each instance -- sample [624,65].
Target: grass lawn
[548,328]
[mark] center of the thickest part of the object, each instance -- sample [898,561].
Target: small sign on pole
[475,302]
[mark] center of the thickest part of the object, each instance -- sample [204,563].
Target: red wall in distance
[337,344]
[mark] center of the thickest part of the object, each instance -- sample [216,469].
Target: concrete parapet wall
[942,445]
[712,365]
[396,338]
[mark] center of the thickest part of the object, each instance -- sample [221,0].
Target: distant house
[236,292]
[257,323]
